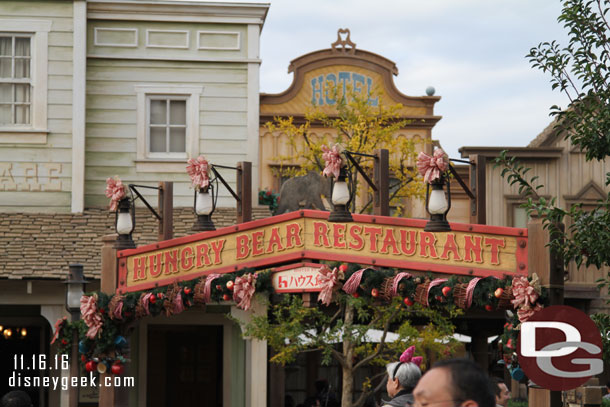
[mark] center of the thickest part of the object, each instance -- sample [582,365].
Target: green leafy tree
[342,332]
[580,70]
[358,127]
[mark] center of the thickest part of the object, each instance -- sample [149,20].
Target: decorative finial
[346,45]
[430,91]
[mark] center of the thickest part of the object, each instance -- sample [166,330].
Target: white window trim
[146,162]
[36,132]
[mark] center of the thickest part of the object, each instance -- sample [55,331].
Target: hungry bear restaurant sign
[476,250]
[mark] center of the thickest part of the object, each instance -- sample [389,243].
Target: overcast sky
[471,51]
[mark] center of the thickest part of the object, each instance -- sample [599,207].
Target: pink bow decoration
[332,158]
[525,295]
[397,279]
[207,288]
[431,168]
[59,324]
[198,169]
[525,313]
[407,356]
[118,310]
[244,289]
[90,315]
[328,280]
[352,283]
[115,190]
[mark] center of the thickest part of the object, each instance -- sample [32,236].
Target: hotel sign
[476,250]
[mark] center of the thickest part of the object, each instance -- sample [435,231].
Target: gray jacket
[402,399]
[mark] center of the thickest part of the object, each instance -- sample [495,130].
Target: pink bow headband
[407,356]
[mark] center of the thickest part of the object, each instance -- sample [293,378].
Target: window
[167,126]
[15,79]
[23,80]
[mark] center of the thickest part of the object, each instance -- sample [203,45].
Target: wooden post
[478,214]
[166,211]
[549,268]
[381,197]
[111,396]
[244,191]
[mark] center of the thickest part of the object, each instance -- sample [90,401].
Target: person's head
[454,382]
[502,393]
[16,398]
[402,376]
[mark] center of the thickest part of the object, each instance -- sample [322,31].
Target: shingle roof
[41,245]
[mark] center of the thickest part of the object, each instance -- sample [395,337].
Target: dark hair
[468,381]
[497,382]
[16,398]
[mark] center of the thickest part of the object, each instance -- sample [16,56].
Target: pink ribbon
[397,279]
[333,160]
[115,190]
[352,283]
[470,291]
[207,288]
[146,302]
[59,324]
[407,356]
[118,310]
[178,305]
[434,283]
[90,315]
[525,313]
[328,279]
[431,168]
[198,171]
[244,289]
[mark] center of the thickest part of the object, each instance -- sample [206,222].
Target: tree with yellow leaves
[357,127]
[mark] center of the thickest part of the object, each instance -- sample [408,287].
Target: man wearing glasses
[453,383]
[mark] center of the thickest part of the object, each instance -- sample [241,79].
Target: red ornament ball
[489,307]
[408,302]
[117,369]
[90,366]
[102,310]
[152,299]
[498,293]
[160,296]
[230,285]
[226,297]
[356,295]
[446,291]
[374,293]
[343,268]
[218,287]
[187,290]
[64,342]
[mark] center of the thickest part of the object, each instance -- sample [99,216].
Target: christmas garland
[106,318]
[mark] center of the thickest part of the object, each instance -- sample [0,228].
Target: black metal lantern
[438,205]
[75,288]
[124,225]
[205,204]
[341,197]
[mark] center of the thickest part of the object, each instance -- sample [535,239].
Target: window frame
[36,132]
[13,80]
[166,98]
[166,162]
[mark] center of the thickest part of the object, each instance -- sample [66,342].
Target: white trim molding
[35,133]
[186,39]
[97,43]
[79,79]
[236,47]
[146,162]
